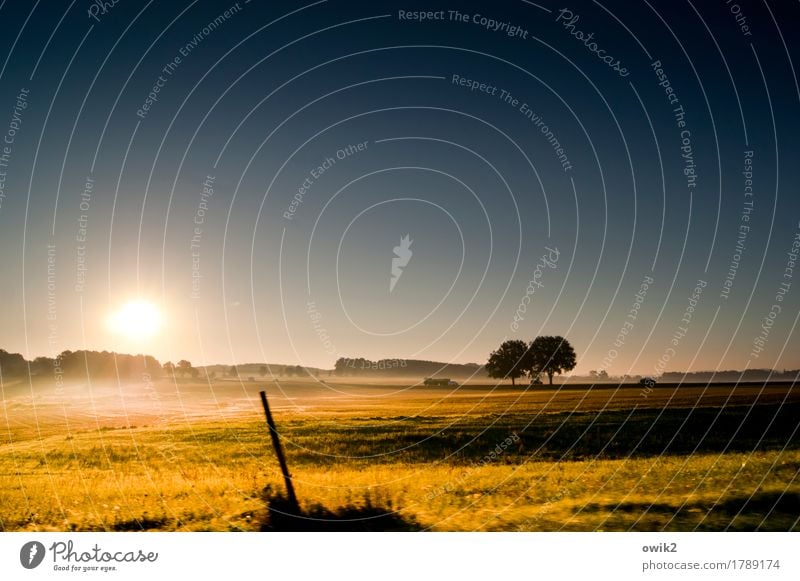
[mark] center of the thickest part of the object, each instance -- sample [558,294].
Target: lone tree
[551,355]
[169,369]
[512,359]
[185,367]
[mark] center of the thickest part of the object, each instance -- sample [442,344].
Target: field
[191,456]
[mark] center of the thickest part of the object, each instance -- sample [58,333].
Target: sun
[136,320]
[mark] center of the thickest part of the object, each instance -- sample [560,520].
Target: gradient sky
[261,100]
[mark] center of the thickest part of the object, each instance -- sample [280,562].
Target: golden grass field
[191,456]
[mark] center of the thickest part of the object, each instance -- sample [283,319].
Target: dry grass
[174,471]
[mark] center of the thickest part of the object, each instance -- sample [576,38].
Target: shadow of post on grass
[281,515]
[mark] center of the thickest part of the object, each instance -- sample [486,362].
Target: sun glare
[136,320]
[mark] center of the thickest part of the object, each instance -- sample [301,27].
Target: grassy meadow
[191,456]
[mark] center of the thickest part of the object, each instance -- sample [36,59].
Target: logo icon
[400,261]
[31,554]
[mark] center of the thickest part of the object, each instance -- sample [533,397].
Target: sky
[621,174]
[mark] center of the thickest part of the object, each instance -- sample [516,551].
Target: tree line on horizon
[512,360]
[80,363]
[360,366]
[108,364]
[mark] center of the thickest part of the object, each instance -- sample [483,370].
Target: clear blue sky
[287,254]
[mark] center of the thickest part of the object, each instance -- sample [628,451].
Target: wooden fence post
[276,443]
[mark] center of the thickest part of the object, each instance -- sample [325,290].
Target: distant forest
[110,364]
[406,367]
[730,376]
[80,363]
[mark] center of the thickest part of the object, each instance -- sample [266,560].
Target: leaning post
[276,443]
